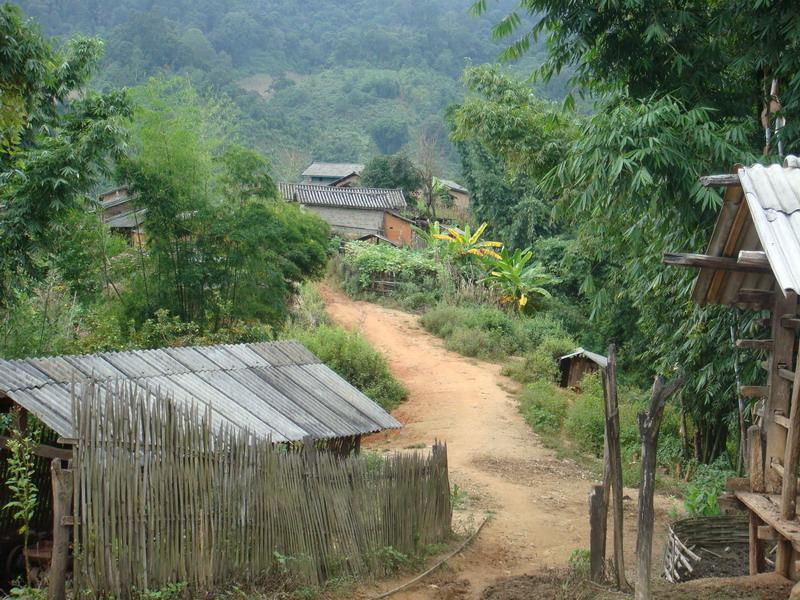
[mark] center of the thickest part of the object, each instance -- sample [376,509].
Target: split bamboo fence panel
[164,495]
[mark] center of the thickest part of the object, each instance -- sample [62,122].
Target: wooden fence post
[615,462]
[597,533]
[62,513]
[649,425]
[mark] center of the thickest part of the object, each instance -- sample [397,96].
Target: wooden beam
[43,450]
[786,374]
[756,449]
[790,322]
[723,179]
[62,507]
[764,298]
[782,421]
[756,558]
[754,344]
[754,258]
[789,491]
[767,533]
[722,263]
[754,391]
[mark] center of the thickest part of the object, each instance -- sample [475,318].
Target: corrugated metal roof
[276,389]
[337,170]
[762,213]
[598,359]
[323,195]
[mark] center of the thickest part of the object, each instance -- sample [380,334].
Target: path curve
[537,502]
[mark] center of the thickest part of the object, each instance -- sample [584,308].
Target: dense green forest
[336,81]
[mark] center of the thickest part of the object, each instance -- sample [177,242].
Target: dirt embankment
[537,502]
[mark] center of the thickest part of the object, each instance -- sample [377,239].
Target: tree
[57,142]
[394,171]
[389,134]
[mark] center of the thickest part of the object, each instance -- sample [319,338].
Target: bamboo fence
[161,495]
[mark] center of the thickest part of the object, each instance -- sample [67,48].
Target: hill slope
[329,79]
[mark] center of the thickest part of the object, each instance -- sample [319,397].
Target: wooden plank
[754,391]
[597,534]
[755,258]
[790,321]
[781,420]
[766,507]
[756,550]
[704,261]
[754,344]
[767,533]
[759,298]
[736,484]
[723,180]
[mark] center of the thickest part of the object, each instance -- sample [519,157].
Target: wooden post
[649,426]
[62,512]
[615,462]
[756,449]
[597,533]
[779,388]
[789,488]
[783,340]
[756,556]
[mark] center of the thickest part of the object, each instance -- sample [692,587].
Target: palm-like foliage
[516,279]
[465,244]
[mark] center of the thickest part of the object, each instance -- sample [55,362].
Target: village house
[458,193]
[753,263]
[333,174]
[355,212]
[119,214]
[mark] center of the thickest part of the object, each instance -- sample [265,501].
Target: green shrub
[544,407]
[707,484]
[470,342]
[369,262]
[352,357]
[585,422]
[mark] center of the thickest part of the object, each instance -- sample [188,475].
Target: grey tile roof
[128,220]
[454,186]
[353,197]
[762,213]
[337,170]
[277,389]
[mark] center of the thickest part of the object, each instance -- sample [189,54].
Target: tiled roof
[354,197]
[337,170]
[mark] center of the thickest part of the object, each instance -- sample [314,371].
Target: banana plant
[465,244]
[516,280]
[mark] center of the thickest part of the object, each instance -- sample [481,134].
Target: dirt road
[537,503]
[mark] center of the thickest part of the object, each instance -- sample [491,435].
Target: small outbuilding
[120,215]
[574,366]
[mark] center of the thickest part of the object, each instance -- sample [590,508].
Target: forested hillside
[329,80]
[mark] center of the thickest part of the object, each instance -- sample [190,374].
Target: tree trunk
[649,425]
[615,462]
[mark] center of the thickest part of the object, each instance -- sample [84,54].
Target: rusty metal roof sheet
[762,213]
[343,197]
[276,389]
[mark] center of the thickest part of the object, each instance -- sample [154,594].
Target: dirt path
[537,503]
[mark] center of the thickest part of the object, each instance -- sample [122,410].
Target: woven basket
[697,539]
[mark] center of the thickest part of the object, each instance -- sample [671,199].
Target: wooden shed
[278,391]
[753,262]
[574,366]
